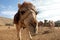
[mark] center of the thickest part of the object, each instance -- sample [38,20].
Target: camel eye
[22,12]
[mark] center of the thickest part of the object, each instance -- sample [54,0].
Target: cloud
[49,9]
[50,14]
[8,14]
[7,11]
[55,18]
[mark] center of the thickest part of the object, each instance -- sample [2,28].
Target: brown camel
[51,25]
[40,23]
[26,18]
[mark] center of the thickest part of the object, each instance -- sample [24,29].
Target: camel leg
[20,33]
[30,36]
[17,32]
[29,32]
[37,28]
[28,29]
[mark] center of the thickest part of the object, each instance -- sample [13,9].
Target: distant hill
[4,21]
[57,23]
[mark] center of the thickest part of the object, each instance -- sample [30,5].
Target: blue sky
[49,9]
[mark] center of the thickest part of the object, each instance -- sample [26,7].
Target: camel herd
[26,18]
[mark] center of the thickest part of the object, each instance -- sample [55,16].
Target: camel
[26,18]
[51,25]
[40,23]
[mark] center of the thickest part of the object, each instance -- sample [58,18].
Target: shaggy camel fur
[26,18]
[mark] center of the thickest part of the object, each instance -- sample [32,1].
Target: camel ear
[19,5]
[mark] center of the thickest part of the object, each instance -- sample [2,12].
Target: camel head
[26,6]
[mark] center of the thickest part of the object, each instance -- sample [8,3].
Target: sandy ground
[44,34]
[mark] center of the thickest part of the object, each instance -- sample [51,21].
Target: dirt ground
[7,33]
